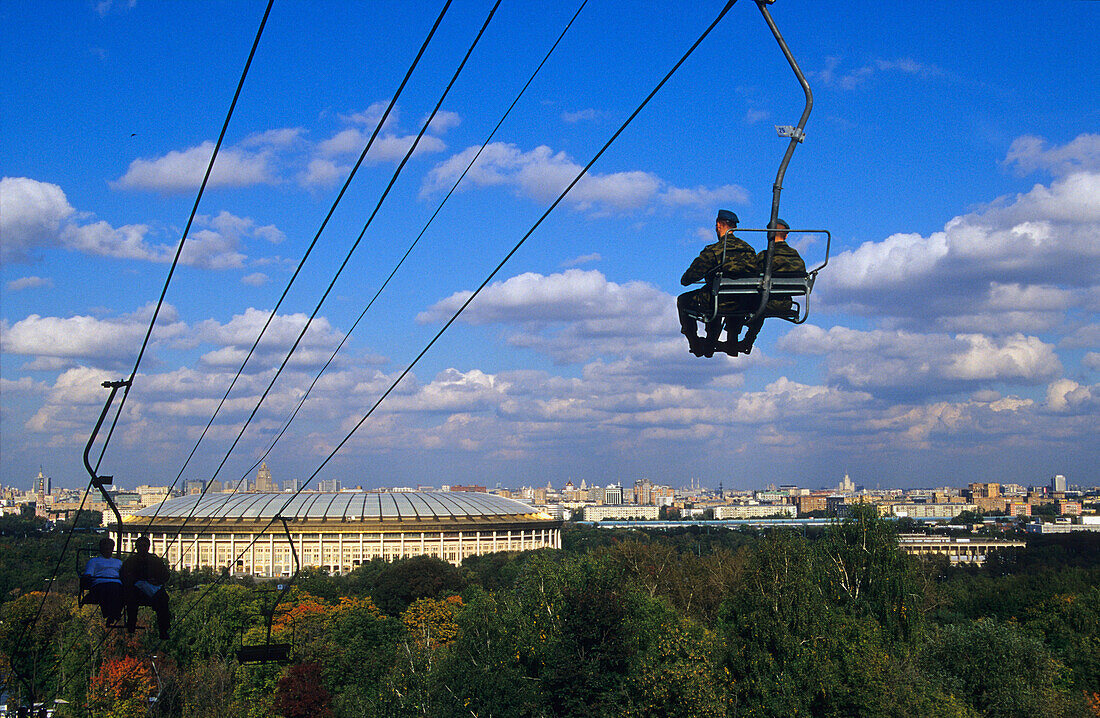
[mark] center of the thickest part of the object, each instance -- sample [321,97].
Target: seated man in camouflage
[740,261]
[785,261]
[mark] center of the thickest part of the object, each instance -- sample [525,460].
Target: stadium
[335,531]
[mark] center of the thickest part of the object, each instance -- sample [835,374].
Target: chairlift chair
[268,652]
[778,285]
[769,285]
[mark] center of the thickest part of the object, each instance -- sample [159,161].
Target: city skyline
[954,332]
[1057,483]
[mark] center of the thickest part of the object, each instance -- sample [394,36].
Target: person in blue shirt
[103,581]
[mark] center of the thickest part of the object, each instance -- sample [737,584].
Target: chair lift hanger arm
[97,481]
[797,134]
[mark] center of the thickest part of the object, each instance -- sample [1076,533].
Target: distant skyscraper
[42,483]
[847,486]
[1058,484]
[264,482]
[292,485]
[330,485]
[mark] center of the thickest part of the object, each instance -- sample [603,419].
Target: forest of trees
[691,622]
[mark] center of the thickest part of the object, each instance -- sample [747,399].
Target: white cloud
[373,114]
[705,197]
[1087,336]
[110,343]
[443,121]
[104,7]
[926,363]
[1010,359]
[543,174]
[18,285]
[348,141]
[577,315]
[183,170]
[583,259]
[282,138]
[1030,153]
[573,295]
[754,116]
[389,145]
[1066,395]
[323,172]
[1019,264]
[236,336]
[581,115]
[832,74]
[256,279]
[126,242]
[31,216]
[388,148]
[38,215]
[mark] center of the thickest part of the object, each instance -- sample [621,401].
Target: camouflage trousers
[701,301]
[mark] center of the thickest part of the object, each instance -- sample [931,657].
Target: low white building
[755,511]
[623,512]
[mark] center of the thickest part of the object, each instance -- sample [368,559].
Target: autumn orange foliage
[432,621]
[121,688]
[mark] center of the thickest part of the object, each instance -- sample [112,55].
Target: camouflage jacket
[785,259]
[740,261]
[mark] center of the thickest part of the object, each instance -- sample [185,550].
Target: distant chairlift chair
[268,652]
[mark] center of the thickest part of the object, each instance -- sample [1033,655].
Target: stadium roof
[346,505]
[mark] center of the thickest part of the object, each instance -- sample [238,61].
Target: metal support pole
[797,134]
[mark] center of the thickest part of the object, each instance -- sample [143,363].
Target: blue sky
[953,151]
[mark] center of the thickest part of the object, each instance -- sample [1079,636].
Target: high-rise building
[42,483]
[193,486]
[613,495]
[264,482]
[1058,484]
[329,485]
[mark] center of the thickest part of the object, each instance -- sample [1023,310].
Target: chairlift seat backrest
[264,653]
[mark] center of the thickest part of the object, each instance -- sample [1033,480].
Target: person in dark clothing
[739,261]
[143,578]
[785,261]
[102,581]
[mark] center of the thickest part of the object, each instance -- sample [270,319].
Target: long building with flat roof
[335,531]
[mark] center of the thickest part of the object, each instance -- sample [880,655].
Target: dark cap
[781,223]
[727,217]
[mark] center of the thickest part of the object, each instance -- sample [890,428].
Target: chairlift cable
[729,4]
[164,291]
[347,335]
[312,245]
[477,291]
[339,271]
